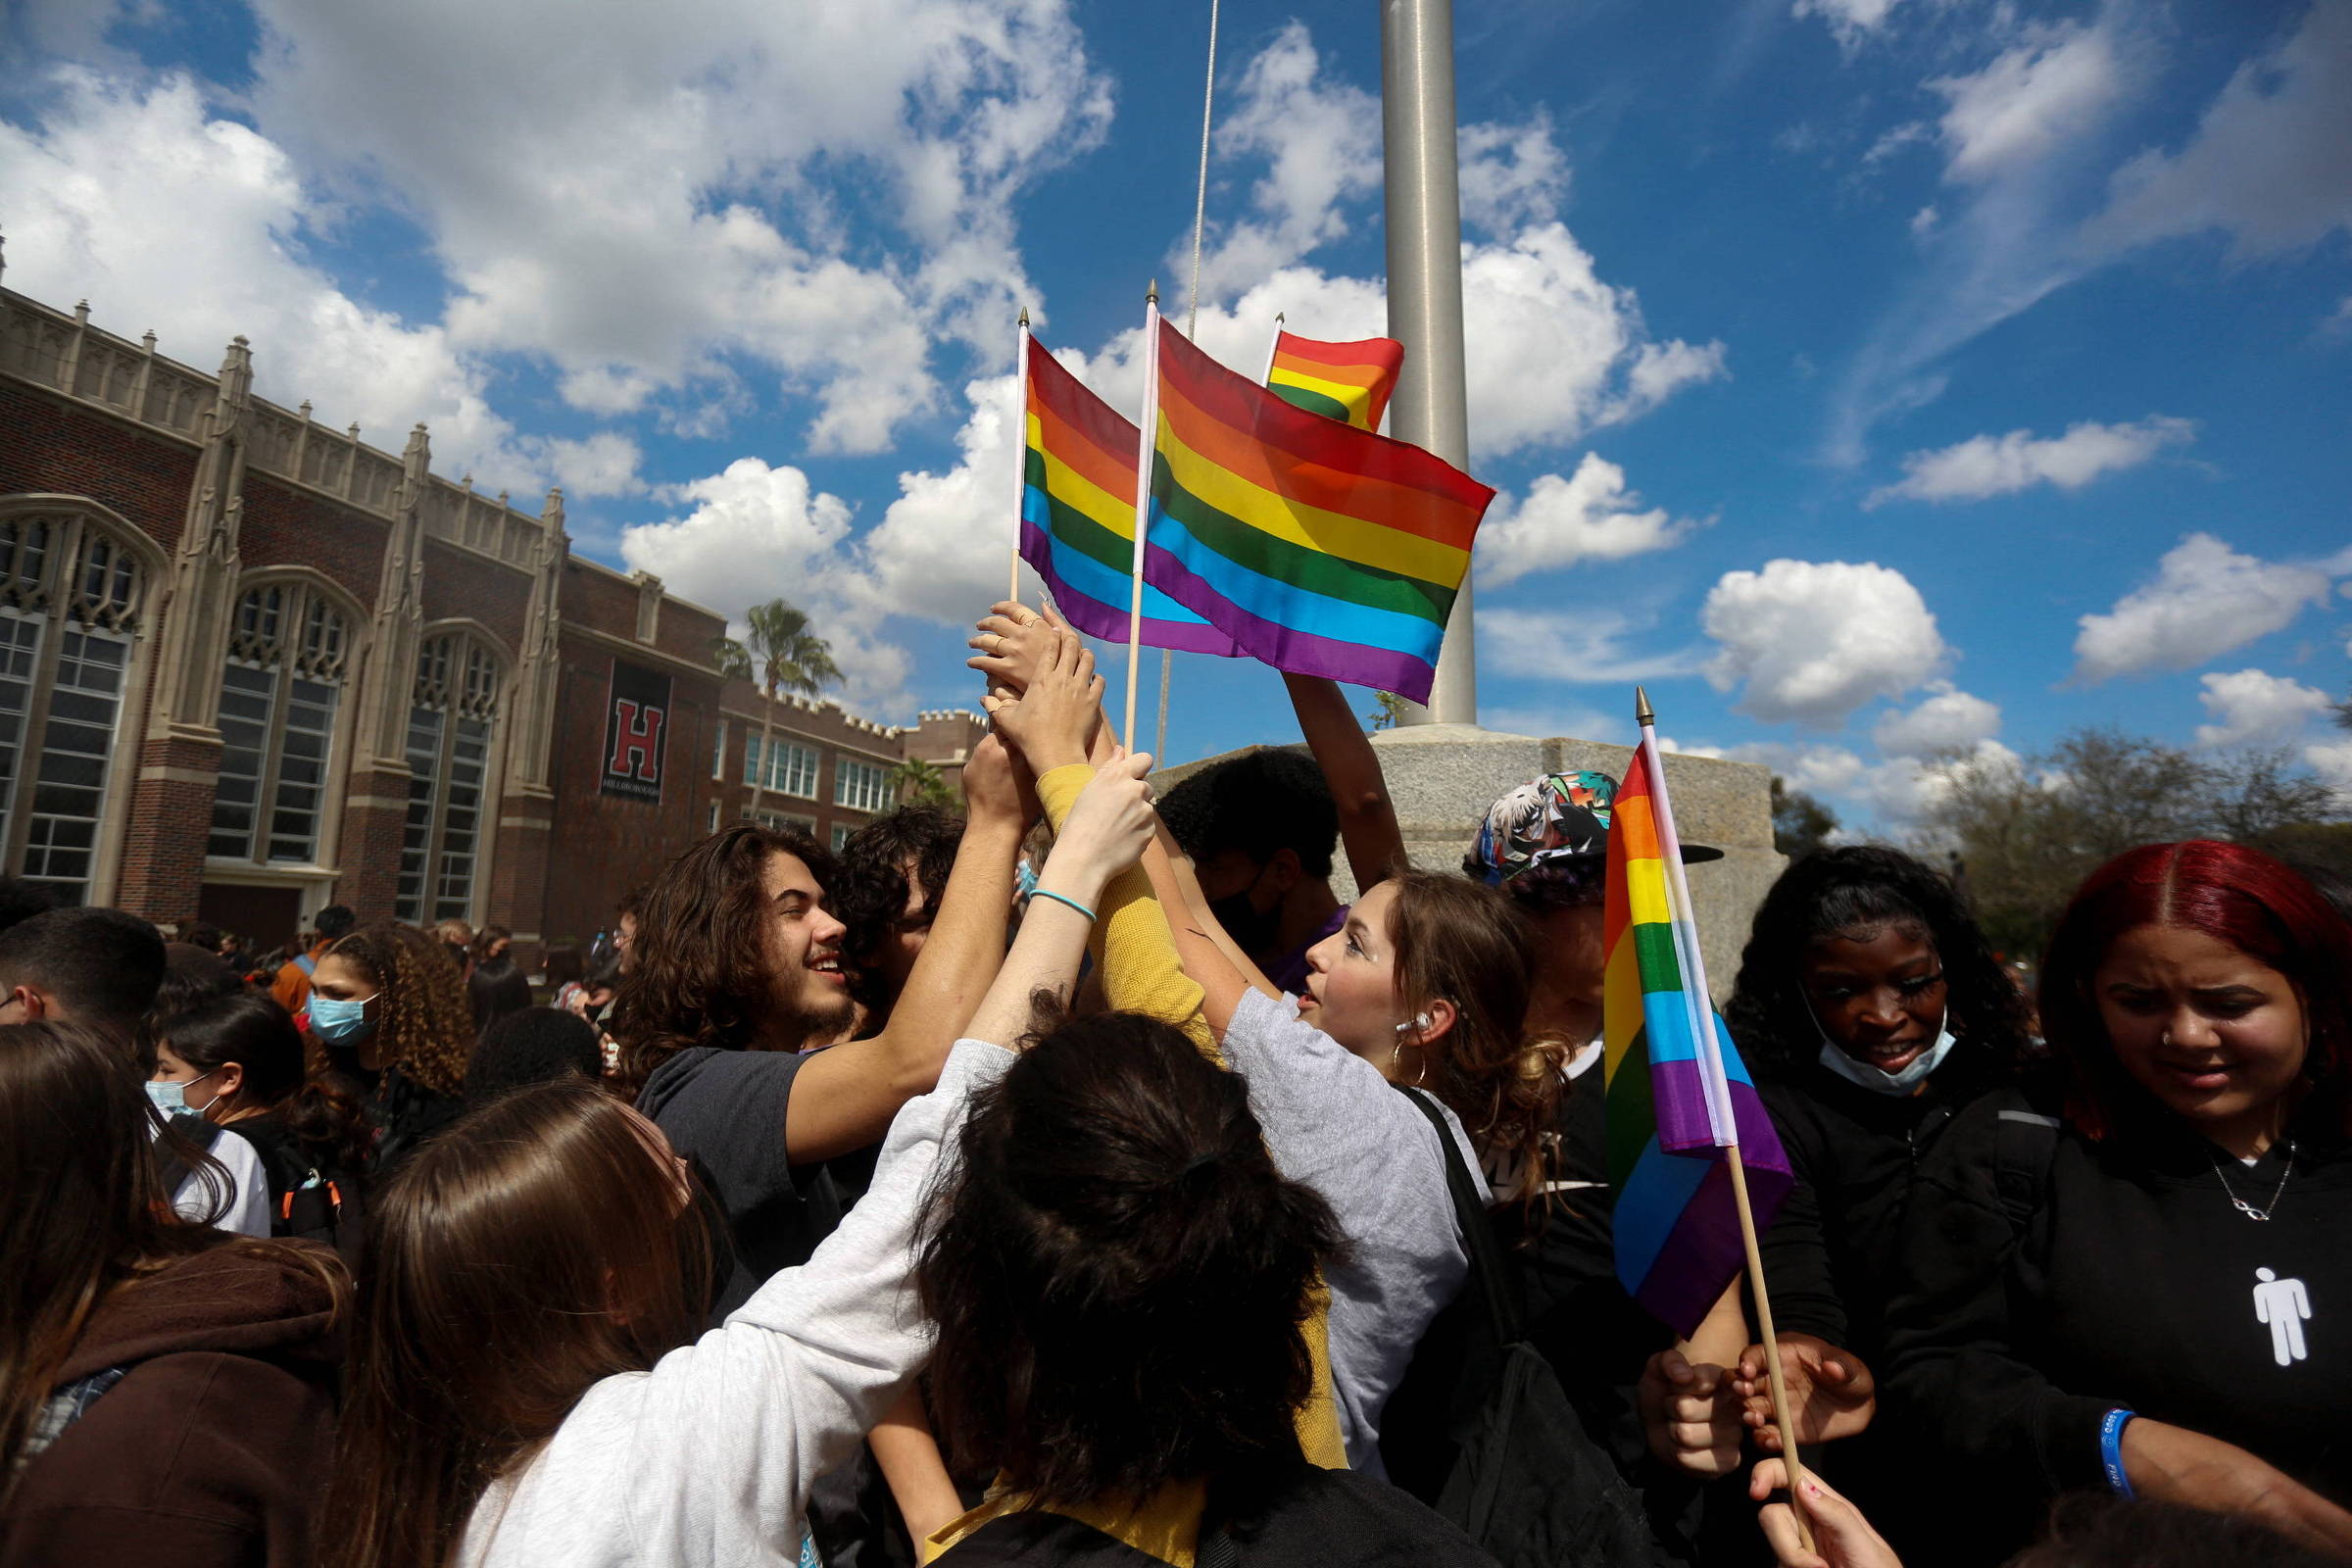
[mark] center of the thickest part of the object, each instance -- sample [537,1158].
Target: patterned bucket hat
[1559,824]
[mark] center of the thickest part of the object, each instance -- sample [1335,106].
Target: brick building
[251,665]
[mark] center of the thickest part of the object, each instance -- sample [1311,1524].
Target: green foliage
[2027,834]
[731,659]
[785,655]
[1388,711]
[921,783]
[1801,825]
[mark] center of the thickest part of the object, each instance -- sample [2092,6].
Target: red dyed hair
[2228,892]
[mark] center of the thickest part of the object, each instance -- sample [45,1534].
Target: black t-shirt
[724,1110]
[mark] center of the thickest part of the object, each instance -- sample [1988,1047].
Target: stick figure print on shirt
[2284,1304]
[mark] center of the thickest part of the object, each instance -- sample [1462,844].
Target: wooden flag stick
[1020,458]
[1702,1019]
[1148,426]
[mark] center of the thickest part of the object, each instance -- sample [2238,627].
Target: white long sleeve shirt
[707,1460]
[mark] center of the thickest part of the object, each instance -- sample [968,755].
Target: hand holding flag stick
[1686,1130]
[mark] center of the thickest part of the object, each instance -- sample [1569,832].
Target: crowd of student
[1079,1180]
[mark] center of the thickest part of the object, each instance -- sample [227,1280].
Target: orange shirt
[292,987]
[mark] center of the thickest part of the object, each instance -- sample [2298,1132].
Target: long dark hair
[1862,887]
[2228,892]
[699,970]
[1466,943]
[86,1211]
[424,1023]
[1118,1272]
[258,1036]
[529,1251]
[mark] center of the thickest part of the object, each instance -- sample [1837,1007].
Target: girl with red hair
[2173,1317]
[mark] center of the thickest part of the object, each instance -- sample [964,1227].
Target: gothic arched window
[72,591]
[289,651]
[453,718]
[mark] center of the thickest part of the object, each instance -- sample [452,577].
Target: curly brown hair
[1464,943]
[700,974]
[424,1022]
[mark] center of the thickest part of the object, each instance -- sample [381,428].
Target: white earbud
[1419,1020]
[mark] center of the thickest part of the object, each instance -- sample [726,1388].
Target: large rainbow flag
[1676,1095]
[1346,381]
[1078,512]
[1320,549]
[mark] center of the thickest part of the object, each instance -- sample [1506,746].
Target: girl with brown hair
[390,1015]
[165,1389]
[524,1389]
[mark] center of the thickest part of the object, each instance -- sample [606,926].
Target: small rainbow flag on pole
[1319,548]
[1077,509]
[1688,1139]
[1345,381]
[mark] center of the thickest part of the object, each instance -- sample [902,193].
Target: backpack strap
[2024,1142]
[306,964]
[1488,1266]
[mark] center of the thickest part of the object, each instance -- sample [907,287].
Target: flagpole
[1273,350]
[1020,458]
[1718,1089]
[1149,428]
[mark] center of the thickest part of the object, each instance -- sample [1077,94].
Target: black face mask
[1252,929]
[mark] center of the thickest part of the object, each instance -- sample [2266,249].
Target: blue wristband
[2111,1453]
[1049,893]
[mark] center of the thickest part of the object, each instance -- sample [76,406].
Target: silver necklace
[2239,1204]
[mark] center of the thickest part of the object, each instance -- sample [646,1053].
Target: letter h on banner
[633,733]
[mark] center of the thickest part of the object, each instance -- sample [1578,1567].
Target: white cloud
[1814,769]
[2332,761]
[1812,641]
[1591,515]
[1546,719]
[1318,140]
[1512,175]
[754,531]
[1574,645]
[605,464]
[1551,351]
[1321,142]
[1994,466]
[2029,100]
[1667,743]
[943,548]
[2271,163]
[647,199]
[2252,708]
[1893,793]
[1922,221]
[1851,21]
[2207,599]
[1948,720]
[166,216]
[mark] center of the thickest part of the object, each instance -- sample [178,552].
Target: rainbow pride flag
[1078,512]
[1320,549]
[1678,1094]
[1346,381]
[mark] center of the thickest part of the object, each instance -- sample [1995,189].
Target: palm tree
[921,783]
[781,653]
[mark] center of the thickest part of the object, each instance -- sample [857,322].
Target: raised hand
[1690,1414]
[1105,831]
[1010,642]
[998,784]
[1051,722]
[1831,1393]
[1842,1537]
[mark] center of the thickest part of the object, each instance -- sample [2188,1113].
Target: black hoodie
[2132,1282]
[213,1448]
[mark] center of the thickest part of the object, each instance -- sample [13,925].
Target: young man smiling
[736,975]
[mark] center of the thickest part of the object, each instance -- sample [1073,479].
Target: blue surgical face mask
[167,1096]
[339,1022]
[1877,1079]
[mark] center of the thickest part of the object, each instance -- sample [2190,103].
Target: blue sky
[1876,379]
